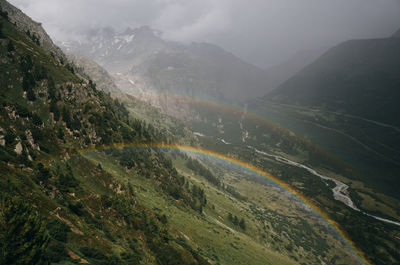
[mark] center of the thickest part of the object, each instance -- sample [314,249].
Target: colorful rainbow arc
[254,170]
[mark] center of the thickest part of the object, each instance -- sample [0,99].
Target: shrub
[56,252]
[92,253]
[58,230]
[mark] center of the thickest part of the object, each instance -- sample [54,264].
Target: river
[340,192]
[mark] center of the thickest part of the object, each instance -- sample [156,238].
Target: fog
[263,32]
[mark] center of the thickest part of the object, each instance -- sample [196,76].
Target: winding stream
[340,192]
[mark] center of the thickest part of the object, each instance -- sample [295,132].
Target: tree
[60,133]
[43,174]
[30,95]
[67,180]
[1,31]
[58,230]
[235,220]
[51,87]
[26,64]
[28,82]
[36,119]
[230,217]
[66,116]
[75,123]
[10,46]
[40,73]
[22,234]
[4,14]
[9,137]
[54,109]
[242,224]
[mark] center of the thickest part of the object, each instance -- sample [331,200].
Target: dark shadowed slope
[358,77]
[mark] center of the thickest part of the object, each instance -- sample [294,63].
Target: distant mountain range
[357,77]
[195,70]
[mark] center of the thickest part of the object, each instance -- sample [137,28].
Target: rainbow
[229,107]
[240,111]
[359,255]
[219,105]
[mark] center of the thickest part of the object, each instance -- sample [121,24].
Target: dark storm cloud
[261,31]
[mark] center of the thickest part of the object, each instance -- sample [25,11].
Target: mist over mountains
[142,62]
[262,32]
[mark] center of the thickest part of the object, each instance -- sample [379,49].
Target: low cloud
[264,32]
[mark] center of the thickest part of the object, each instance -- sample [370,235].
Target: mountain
[357,77]
[89,69]
[346,102]
[142,61]
[278,74]
[117,52]
[82,183]
[88,179]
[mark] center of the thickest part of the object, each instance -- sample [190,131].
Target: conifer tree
[22,234]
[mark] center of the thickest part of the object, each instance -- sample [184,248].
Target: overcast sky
[264,32]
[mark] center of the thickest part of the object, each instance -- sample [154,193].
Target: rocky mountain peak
[144,31]
[129,31]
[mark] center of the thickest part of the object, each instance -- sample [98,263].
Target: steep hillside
[358,77]
[89,69]
[70,209]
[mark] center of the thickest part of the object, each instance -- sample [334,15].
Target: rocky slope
[91,70]
[168,74]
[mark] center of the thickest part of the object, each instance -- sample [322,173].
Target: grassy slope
[214,236]
[202,232]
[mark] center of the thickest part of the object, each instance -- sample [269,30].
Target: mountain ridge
[166,66]
[358,77]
